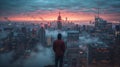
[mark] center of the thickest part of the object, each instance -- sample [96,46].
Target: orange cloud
[50,16]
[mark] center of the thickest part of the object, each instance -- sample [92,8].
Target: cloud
[9,7]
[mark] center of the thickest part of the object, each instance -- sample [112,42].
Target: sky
[36,10]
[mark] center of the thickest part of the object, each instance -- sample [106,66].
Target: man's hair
[59,36]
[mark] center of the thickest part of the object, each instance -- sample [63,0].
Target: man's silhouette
[59,49]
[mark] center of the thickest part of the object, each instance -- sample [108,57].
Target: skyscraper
[41,35]
[59,22]
[117,47]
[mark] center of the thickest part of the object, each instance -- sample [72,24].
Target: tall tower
[117,47]
[41,35]
[59,22]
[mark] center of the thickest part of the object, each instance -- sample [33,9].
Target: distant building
[117,30]
[72,58]
[99,53]
[73,36]
[102,25]
[117,46]
[34,32]
[77,27]
[72,39]
[42,36]
[49,41]
[23,29]
[59,22]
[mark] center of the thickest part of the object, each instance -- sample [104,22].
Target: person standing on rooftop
[59,50]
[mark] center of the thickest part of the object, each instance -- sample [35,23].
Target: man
[59,50]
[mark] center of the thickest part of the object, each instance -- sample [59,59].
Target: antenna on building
[98,9]
[66,19]
[98,12]
[59,13]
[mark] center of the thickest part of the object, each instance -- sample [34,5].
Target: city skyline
[37,10]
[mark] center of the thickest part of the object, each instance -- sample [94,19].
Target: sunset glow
[51,16]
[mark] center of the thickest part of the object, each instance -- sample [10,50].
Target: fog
[55,33]
[5,58]
[87,39]
[44,56]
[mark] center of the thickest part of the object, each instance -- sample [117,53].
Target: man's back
[59,47]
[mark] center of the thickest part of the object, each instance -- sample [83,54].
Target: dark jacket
[59,47]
